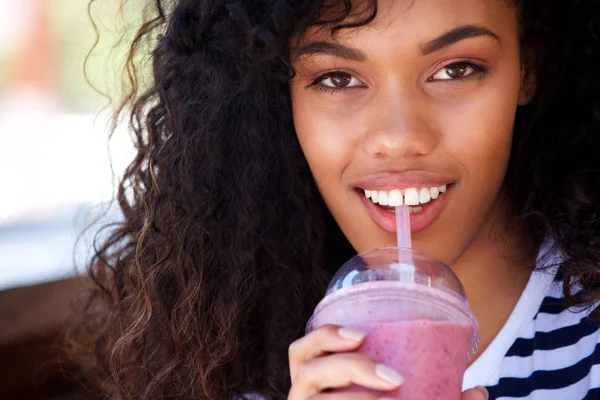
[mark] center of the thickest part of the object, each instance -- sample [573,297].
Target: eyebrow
[451,37]
[456,35]
[330,48]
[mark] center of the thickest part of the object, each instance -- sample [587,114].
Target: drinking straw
[404,242]
[403,227]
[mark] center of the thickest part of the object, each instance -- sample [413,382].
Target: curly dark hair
[203,286]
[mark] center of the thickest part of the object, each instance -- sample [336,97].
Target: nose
[399,127]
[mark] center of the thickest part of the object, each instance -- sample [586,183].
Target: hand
[326,359]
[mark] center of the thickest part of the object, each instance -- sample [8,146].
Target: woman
[268,147]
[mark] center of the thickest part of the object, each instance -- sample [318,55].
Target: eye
[335,80]
[339,80]
[456,71]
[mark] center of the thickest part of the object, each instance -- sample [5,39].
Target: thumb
[478,393]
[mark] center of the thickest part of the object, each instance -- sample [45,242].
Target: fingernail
[388,374]
[483,391]
[351,334]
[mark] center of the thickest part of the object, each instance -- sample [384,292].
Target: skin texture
[398,111]
[394,120]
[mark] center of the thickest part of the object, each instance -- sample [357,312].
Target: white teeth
[411,197]
[395,198]
[424,196]
[414,210]
[383,198]
[375,196]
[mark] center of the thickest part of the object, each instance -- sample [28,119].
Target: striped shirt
[545,351]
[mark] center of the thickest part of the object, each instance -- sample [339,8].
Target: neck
[494,272]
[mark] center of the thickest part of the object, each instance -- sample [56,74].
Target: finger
[341,370]
[327,339]
[478,393]
[345,396]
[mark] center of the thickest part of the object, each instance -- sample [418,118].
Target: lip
[386,220]
[389,181]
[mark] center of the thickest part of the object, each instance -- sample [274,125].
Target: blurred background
[55,171]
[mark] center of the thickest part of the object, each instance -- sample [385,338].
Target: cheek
[326,141]
[480,134]
[329,144]
[476,139]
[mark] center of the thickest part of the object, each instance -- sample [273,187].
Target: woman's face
[416,107]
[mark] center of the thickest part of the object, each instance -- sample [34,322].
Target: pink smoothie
[431,355]
[424,333]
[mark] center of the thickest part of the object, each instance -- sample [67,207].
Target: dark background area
[32,318]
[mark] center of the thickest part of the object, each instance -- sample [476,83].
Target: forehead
[415,20]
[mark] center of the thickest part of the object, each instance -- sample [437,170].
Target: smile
[425,204]
[414,197]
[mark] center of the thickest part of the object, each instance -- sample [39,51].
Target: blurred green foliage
[73,36]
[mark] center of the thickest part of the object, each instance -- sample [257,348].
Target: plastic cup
[415,314]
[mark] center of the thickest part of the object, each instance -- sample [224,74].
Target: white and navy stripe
[556,356]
